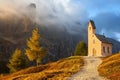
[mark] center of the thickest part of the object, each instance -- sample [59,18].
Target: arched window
[103,49]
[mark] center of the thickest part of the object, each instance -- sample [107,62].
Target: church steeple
[98,45]
[91,27]
[93,24]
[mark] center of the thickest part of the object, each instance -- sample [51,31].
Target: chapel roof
[93,24]
[103,39]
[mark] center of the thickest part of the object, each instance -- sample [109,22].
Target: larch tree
[34,50]
[81,49]
[17,61]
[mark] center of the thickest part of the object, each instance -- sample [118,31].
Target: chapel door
[94,52]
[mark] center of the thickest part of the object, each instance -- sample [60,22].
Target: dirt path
[89,71]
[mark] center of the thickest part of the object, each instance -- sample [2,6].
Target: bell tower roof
[93,24]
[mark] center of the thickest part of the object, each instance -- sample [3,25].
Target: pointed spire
[92,23]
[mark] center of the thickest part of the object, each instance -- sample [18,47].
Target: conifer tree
[81,49]
[34,50]
[17,61]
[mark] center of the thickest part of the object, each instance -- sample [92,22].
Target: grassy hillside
[110,67]
[59,70]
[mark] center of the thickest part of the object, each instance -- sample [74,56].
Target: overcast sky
[105,13]
[75,14]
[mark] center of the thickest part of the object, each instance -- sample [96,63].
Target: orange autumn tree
[17,61]
[34,50]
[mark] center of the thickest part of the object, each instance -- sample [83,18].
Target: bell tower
[91,33]
[91,27]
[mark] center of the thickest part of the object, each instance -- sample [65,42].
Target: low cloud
[72,15]
[62,13]
[59,13]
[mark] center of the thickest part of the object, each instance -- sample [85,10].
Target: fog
[60,13]
[72,15]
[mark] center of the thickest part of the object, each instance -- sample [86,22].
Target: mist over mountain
[61,27]
[16,27]
[70,14]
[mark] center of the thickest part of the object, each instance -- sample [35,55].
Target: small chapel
[98,45]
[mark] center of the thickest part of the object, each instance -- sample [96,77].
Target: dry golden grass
[110,67]
[59,70]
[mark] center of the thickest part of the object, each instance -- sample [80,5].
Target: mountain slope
[60,70]
[110,67]
[116,45]
[16,28]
